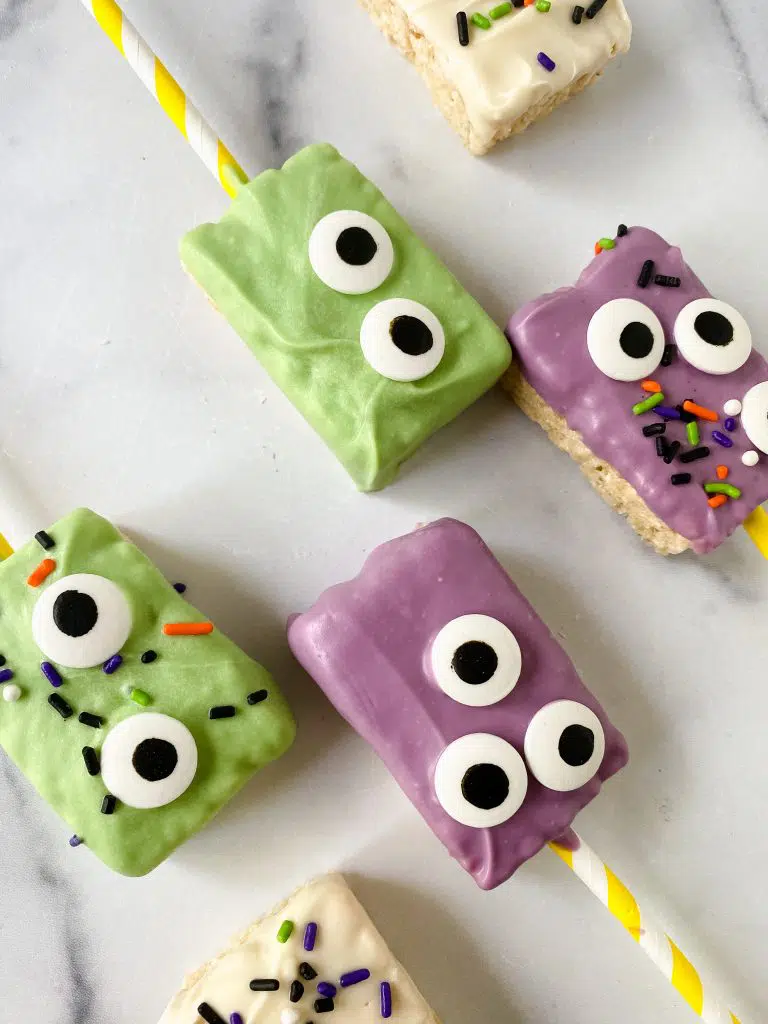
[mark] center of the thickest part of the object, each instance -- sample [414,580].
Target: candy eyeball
[476,660]
[625,340]
[564,745]
[480,780]
[713,336]
[754,416]
[402,340]
[351,252]
[148,760]
[81,620]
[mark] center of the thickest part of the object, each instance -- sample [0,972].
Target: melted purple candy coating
[549,336]
[367,644]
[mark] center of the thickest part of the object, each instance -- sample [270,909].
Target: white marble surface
[121,390]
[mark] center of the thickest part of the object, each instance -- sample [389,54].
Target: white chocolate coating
[498,75]
[346,940]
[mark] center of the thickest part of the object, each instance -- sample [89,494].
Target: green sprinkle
[141,697]
[729,489]
[500,11]
[647,404]
[286,931]
[692,430]
[543,5]
[607,243]
[480,20]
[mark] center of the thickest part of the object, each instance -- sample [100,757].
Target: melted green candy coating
[254,265]
[190,675]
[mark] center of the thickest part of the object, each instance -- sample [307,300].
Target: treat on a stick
[374,341]
[131,714]
[318,952]
[493,68]
[653,386]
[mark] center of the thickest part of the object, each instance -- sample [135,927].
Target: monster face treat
[131,714]
[653,385]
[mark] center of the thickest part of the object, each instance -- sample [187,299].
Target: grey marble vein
[747,32]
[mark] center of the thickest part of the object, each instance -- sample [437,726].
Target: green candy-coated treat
[480,20]
[500,11]
[255,266]
[728,489]
[607,243]
[543,5]
[121,585]
[285,931]
[647,404]
[692,433]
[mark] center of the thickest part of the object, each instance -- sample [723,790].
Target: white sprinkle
[289,1017]
[750,458]
[732,407]
[11,692]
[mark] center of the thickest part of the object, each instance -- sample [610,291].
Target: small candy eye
[476,660]
[351,252]
[81,620]
[480,780]
[148,760]
[564,745]
[754,416]
[625,340]
[402,339]
[713,336]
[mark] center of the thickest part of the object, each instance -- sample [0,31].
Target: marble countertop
[122,391]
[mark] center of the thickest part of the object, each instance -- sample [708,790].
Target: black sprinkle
[95,721]
[148,657]
[661,446]
[45,540]
[685,417]
[58,703]
[671,452]
[680,478]
[645,274]
[324,1005]
[695,454]
[307,971]
[578,14]
[653,429]
[669,355]
[595,7]
[91,759]
[179,587]
[462,26]
[222,711]
[667,282]
[3,659]
[209,1015]
[622,231]
[257,696]
[264,985]
[297,991]
[518,3]
[108,804]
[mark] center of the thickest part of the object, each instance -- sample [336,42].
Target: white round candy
[11,692]
[289,1016]
[732,407]
[564,745]
[351,252]
[754,416]
[402,340]
[625,340]
[480,780]
[148,760]
[750,458]
[476,660]
[713,336]
[81,620]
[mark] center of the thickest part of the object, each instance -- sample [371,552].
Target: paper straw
[21,516]
[169,94]
[672,963]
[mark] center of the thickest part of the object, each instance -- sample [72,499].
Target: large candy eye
[480,780]
[148,760]
[81,620]
[564,745]
[713,336]
[625,340]
[402,339]
[351,252]
[754,416]
[476,660]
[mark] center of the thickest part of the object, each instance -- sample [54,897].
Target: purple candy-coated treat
[722,439]
[354,977]
[6,675]
[310,936]
[113,664]
[235,1018]
[75,841]
[385,993]
[667,412]
[546,61]
[325,988]
[367,644]
[51,674]
[730,423]
[549,336]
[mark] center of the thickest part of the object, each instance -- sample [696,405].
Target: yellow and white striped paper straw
[169,94]
[672,963]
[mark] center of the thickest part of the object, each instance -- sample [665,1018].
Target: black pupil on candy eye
[411,335]
[636,340]
[577,745]
[356,246]
[714,328]
[74,613]
[154,759]
[485,786]
[475,662]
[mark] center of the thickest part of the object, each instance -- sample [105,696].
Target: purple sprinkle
[180,588]
[112,665]
[668,412]
[354,977]
[546,62]
[325,988]
[75,841]
[721,439]
[310,934]
[385,992]
[730,423]
[235,1018]
[51,674]
[5,675]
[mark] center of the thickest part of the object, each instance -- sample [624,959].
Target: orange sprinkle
[42,572]
[722,472]
[717,500]
[598,248]
[701,411]
[651,385]
[187,628]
